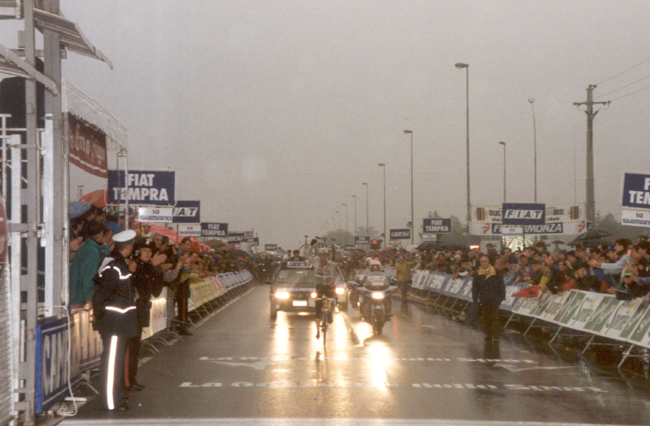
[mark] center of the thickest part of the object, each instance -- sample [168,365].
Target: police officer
[148,281]
[115,314]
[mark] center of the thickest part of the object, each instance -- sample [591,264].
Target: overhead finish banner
[214,230]
[187,212]
[523,214]
[400,234]
[142,187]
[437,226]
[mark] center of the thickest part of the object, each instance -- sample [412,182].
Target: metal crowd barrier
[54,336]
[600,318]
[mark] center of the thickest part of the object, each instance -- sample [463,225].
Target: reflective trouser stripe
[110,383]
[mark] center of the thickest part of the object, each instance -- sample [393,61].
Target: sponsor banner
[52,340]
[512,231]
[437,226]
[400,234]
[394,243]
[556,228]
[214,230]
[509,303]
[349,247]
[87,148]
[270,247]
[602,314]
[620,321]
[553,213]
[142,187]
[429,237]
[523,214]
[187,212]
[157,315]
[361,240]
[155,214]
[636,191]
[640,334]
[235,237]
[583,314]
[635,217]
[189,230]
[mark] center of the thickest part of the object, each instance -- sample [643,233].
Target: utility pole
[591,202]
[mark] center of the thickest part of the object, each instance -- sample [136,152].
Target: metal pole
[532,104]
[461,65]
[346,223]
[410,132]
[383,166]
[367,211]
[504,170]
[355,215]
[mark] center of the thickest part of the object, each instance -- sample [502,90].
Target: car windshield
[296,277]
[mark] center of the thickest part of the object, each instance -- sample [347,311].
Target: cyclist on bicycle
[326,273]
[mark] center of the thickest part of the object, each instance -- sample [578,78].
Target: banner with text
[553,213]
[187,212]
[214,230]
[142,187]
[361,240]
[636,191]
[400,234]
[437,226]
[553,228]
[523,214]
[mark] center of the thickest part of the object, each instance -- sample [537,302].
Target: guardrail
[54,335]
[600,318]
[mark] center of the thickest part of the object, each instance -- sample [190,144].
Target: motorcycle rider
[325,271]
[375,269]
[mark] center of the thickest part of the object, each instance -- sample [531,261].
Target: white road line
[312,422]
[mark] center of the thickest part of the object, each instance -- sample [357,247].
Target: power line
[621,73]
[626,86]
[629,94]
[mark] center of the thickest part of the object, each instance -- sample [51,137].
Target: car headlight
[340,290]
[377,295]
[313,294]
[282,295]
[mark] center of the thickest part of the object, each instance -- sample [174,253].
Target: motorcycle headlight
[340,290]
[378,295]
[282,295]
[313,294]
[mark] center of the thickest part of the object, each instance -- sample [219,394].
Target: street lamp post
[383,166]
[461,65]
[339,213]
[410,132]
[504,170]
[346,223]
[367,210]
[532,105]
[355,215]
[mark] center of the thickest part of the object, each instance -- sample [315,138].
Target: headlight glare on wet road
[282,295]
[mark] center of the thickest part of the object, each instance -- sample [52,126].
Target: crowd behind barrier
[52,367]
[594,315]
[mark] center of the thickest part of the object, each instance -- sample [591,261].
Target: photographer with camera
[148,281]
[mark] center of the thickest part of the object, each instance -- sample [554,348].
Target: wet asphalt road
[241,367]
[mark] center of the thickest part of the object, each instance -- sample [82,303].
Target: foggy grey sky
[274,112]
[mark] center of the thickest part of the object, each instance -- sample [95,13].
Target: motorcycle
[375,301]
[358,282]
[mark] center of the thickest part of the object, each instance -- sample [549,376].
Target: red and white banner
[87,148]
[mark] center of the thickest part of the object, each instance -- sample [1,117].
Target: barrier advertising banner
[187,212]
[189,229]
[555,228]
[142,187]
[437,226]
[155,214]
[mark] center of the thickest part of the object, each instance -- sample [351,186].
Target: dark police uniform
[117,324]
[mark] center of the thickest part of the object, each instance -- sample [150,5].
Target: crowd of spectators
[621,268]
[91,231]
